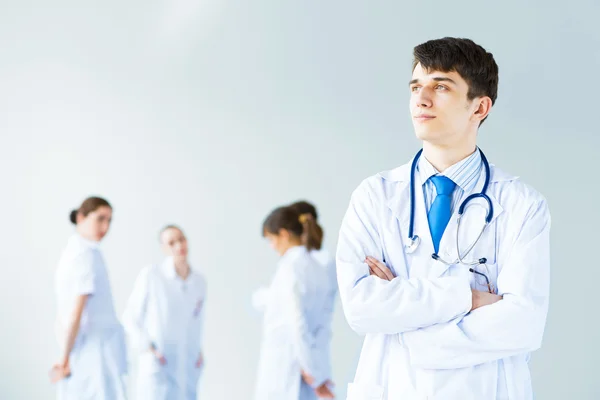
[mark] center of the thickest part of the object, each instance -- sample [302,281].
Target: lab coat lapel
[417,263]
[397,230]
[421,261]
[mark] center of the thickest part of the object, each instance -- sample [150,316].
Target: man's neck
[443,157]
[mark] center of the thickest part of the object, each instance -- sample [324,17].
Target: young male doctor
[451,307]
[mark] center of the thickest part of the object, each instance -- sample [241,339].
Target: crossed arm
[443,323]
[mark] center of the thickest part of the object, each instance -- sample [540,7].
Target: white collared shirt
[82,271]
[464,174]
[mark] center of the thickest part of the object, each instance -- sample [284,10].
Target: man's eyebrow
[444,79]
[436,79]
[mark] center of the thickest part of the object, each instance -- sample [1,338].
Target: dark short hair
[88,206]
[471,61]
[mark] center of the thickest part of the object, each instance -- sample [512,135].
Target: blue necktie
[440,211]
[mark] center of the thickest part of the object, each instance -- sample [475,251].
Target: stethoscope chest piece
[413,243]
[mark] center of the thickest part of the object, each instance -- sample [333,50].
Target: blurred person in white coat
[291,366]
[93,364]
[164,321]
[327,261]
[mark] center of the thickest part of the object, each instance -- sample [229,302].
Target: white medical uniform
[293,318]
[167,311]
[98,359]
[421,340]
[325,336]
[323,341]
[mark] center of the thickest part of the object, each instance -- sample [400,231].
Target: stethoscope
[414,240]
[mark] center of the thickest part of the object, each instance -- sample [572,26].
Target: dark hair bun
[73,217]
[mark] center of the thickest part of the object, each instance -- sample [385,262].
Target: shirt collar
[168,268]
[464,173]
[83,242]
[293,252]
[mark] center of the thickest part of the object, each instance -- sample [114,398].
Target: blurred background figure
[327,262]
[291,365]
[93,362]
[164,318]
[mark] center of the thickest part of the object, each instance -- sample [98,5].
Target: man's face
[440,110]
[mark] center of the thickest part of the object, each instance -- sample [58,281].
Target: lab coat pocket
[360,391]
[198,308]
[485,278]
[488,271]
[472,242]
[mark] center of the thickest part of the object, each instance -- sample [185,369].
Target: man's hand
[481,299]
[379,269]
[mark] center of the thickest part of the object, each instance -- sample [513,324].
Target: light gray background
[209,113]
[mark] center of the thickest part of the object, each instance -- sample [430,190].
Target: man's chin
[425,135]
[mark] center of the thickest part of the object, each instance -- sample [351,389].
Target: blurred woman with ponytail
[93,360]
[314,234]
[291,365]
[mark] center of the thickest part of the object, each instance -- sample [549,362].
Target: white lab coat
[421,341]
[167,311]
[293,318]
[324,337]
[98,358]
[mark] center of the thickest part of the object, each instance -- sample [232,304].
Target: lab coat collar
[168,268]
[293,252]
[402,174]
[79,240]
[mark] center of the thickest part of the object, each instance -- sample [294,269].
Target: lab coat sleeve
[84,273]
[511,326]
[201,315]
[303,341]
[374,305]
[133,317]
[324,335]
[332,295]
